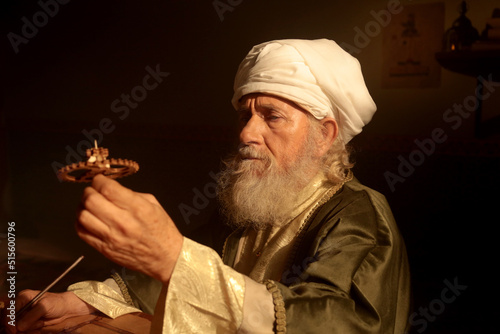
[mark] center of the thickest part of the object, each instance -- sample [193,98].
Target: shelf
[477,64]
[472,63]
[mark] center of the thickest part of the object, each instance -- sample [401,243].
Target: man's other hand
[50,309]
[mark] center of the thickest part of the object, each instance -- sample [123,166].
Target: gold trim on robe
[263,254]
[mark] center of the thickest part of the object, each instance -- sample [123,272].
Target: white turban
[318,75]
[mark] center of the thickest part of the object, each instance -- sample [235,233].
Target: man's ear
[329,132]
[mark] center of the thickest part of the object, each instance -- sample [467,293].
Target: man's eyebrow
[269,108]
[243,109]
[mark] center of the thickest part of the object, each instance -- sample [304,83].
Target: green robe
[348,273]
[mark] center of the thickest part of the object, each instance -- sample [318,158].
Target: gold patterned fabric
[204,295]
[104,296]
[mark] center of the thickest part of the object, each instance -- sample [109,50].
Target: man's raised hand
[129,228]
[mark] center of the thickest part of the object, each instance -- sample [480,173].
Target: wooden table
[134,323]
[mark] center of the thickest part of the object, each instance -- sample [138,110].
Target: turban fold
[318,75]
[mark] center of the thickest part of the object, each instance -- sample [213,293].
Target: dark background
[63,81]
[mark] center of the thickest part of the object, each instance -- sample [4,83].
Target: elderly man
[313,251]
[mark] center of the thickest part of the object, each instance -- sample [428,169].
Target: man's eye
[244,118]
[273,117]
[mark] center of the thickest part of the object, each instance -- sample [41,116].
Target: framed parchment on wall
[410,42]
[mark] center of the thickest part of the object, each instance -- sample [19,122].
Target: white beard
[255,192]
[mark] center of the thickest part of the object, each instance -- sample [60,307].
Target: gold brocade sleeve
[103,297]
[204,295]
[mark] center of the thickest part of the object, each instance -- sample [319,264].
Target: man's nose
[252,131]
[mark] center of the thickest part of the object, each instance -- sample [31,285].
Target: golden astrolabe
[97,163]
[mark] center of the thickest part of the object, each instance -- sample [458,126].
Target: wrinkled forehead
[267,101]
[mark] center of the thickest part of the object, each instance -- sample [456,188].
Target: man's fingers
[97,214]
[113,191]
[25,297]
[32,318]
[108,198]
[89,224]
[97,203]
[91,238]
[107,249]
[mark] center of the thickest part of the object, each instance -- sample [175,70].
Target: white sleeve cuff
[105,297]
[258,309]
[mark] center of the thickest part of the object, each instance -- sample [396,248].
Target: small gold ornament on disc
[97,163]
